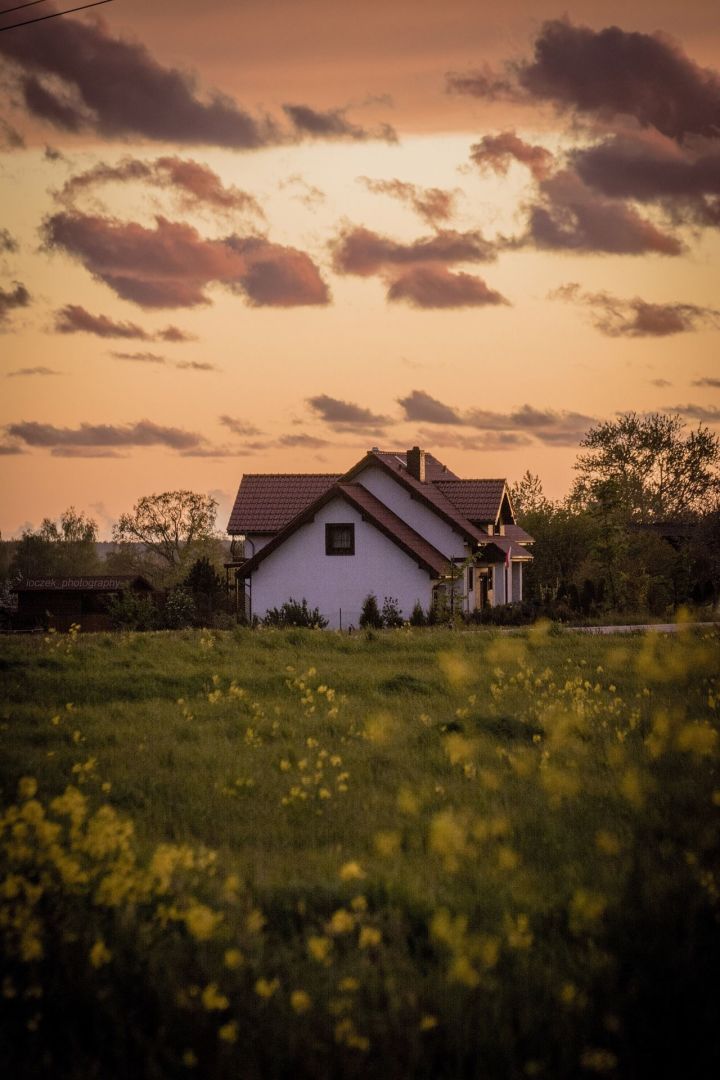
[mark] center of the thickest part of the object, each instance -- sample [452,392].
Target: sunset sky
[266,235]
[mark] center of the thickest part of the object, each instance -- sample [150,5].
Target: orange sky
[382,262]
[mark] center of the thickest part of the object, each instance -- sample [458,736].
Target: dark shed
[60,602]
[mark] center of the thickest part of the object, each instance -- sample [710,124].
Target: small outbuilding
[57,603]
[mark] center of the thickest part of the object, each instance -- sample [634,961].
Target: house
[59,602]
[397,524]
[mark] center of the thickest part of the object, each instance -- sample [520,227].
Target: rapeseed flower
[100,954]
[300,1001]
[265,988]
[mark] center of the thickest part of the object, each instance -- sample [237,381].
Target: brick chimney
[416,463]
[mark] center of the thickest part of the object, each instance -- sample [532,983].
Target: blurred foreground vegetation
[403,854]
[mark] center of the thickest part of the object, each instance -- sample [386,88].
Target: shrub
[417,617]
[131,610]
[370,617]
[295,613]
[391,614]
[179,609]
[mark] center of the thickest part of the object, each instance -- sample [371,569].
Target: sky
[267,235]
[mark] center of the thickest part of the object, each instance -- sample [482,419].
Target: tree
[648,469]
[58,549]
[370,617]
[172,526]
[528,496]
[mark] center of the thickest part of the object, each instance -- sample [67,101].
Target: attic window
[340,539]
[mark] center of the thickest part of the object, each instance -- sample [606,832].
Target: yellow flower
[255,921]
[351,871]
[300,1001]
[27,787]
[319,947]
[427,1022]
[212,999]
[265,988]
[369,937]
[349,985]
[233,959]
[228,1032]
[387,843]
[607,842]
[342,922]
[201,921]
[189,1059]
[100,954]
[358,903]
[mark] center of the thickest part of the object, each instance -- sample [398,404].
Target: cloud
[613,72]
[710,414]
[84,452]
[172,265]
[715,383]
[433,204]
[616,317]
[10,137]
[142,433]
[53,154]
[8,243]
[239,427]
[422,407]
[569,216]
[175,335]
[10,450]
[561,428]
[194,184]
[648,168]
[11,299]
[664,382]
[195,365]
[74,319]
[357,250]
[333,124]
[345,415]
[490,440]
[307,442]
[77,76]
[496,152]
[139,357]
[306,193]
[485,83]
[32,371]
[432,287]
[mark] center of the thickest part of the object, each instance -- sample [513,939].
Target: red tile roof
[477,500]
[372,510]
[434,470]
[266,502]
[518,534]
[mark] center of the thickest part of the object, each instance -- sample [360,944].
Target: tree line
[639,530]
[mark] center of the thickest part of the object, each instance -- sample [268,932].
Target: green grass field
[414,854]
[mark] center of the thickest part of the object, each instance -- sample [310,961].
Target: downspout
[249,582]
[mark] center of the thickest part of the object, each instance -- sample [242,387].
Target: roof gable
[429,493]
[372,511]
[478,500]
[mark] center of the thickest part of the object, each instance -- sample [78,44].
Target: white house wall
[424,521]
[299,568]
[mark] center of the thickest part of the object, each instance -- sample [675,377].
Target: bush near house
[295,613]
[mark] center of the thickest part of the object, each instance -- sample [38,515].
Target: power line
[19,7]
[54,15]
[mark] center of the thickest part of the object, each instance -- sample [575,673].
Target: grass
[408,854]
